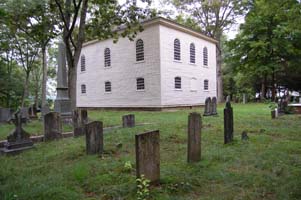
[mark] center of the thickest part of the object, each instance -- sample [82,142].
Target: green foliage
[142,188]
[128,166]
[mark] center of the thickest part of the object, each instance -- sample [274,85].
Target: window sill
[193,90]
[83,94]
[140,90]
[206,91]
[82,72]
[205,66]
[108,67]
[177,61]
[178,90]
[192,64]
[138,62]
[108,92]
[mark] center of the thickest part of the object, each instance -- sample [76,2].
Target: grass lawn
[268,166]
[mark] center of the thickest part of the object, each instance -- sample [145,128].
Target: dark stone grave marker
[148,156]
[213,106]
[94,137]
[228,123]
[80,118]
[207,111]
[128,121]
[18,140]
[244,135]
[194,137]
[52,126]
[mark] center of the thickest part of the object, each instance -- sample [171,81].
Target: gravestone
[18,140]
[128,121]
[213,106]
[5,114]
[244,135]
[94,137]
[194,137]
[228,123]
[207,111]
[148,156]
[228,98]
[52,126]
[244,98]
[79,118]
[62,102]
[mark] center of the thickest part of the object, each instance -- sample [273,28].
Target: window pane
[107,57]
[205,56]
[206,84]
[108,87]
[178,84]
[139,50]
[192,53]
[83,63]
[83,89]
[177,50]
[140,84]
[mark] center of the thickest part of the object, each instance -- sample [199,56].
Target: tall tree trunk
[263,88]
[273,86]
[219,74]
[44,77]
[25,91]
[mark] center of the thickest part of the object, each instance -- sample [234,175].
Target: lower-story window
[206,84]
[178,83]
[140,83]
[108,86]
[83,89]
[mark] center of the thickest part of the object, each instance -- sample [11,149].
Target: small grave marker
[194,137]
[94,137]
[228,123]
[128,120]
[213,106]
[52,126]
[207,111]
[148,156]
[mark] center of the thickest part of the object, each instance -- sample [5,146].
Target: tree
[105,17]
[214,17]
[269,42]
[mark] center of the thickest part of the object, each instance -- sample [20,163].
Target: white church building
[167,66]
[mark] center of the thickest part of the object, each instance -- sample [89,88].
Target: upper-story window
[107,54]
[139,50]
[206,84]
[192,53]
[205,56]
[178,83]
[108,86]
[177,49]
[140,83]
[83,89]
[82,63]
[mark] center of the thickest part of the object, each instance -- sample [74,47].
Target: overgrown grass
[268,166]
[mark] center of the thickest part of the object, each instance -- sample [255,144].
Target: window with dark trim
[82,63]
[177,49]
[83,89]
[178,83]
[140,83]
[139,50]
[192,53]
[205,56]
[108,86]
[206,84]
[107,55]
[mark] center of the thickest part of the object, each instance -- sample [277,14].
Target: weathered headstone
[194,137]
[207,111]
[80,118]
[244,98]
[18,140]
[128,120]
[52,126]
[5,114]
[228,123]
[148,156]
[244,135]
[228,99]
[94,137]
[213,106]
[62,102]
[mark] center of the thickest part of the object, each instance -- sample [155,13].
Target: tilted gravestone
[5,114]
[194,137]
[52,126]
[228,123]
[18,140]
[80,118]
[207,111]
[213,106]
[148,156]
[94,137]
[128,121]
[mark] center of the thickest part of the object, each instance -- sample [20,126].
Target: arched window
[139,50]
[108,86]
[178,84]
[83,89]
[107,57]
[206,84]
[177,49]
[192,53]
[140,83]
[82,63]
[205,56]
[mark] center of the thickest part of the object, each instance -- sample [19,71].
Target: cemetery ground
[267,166]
